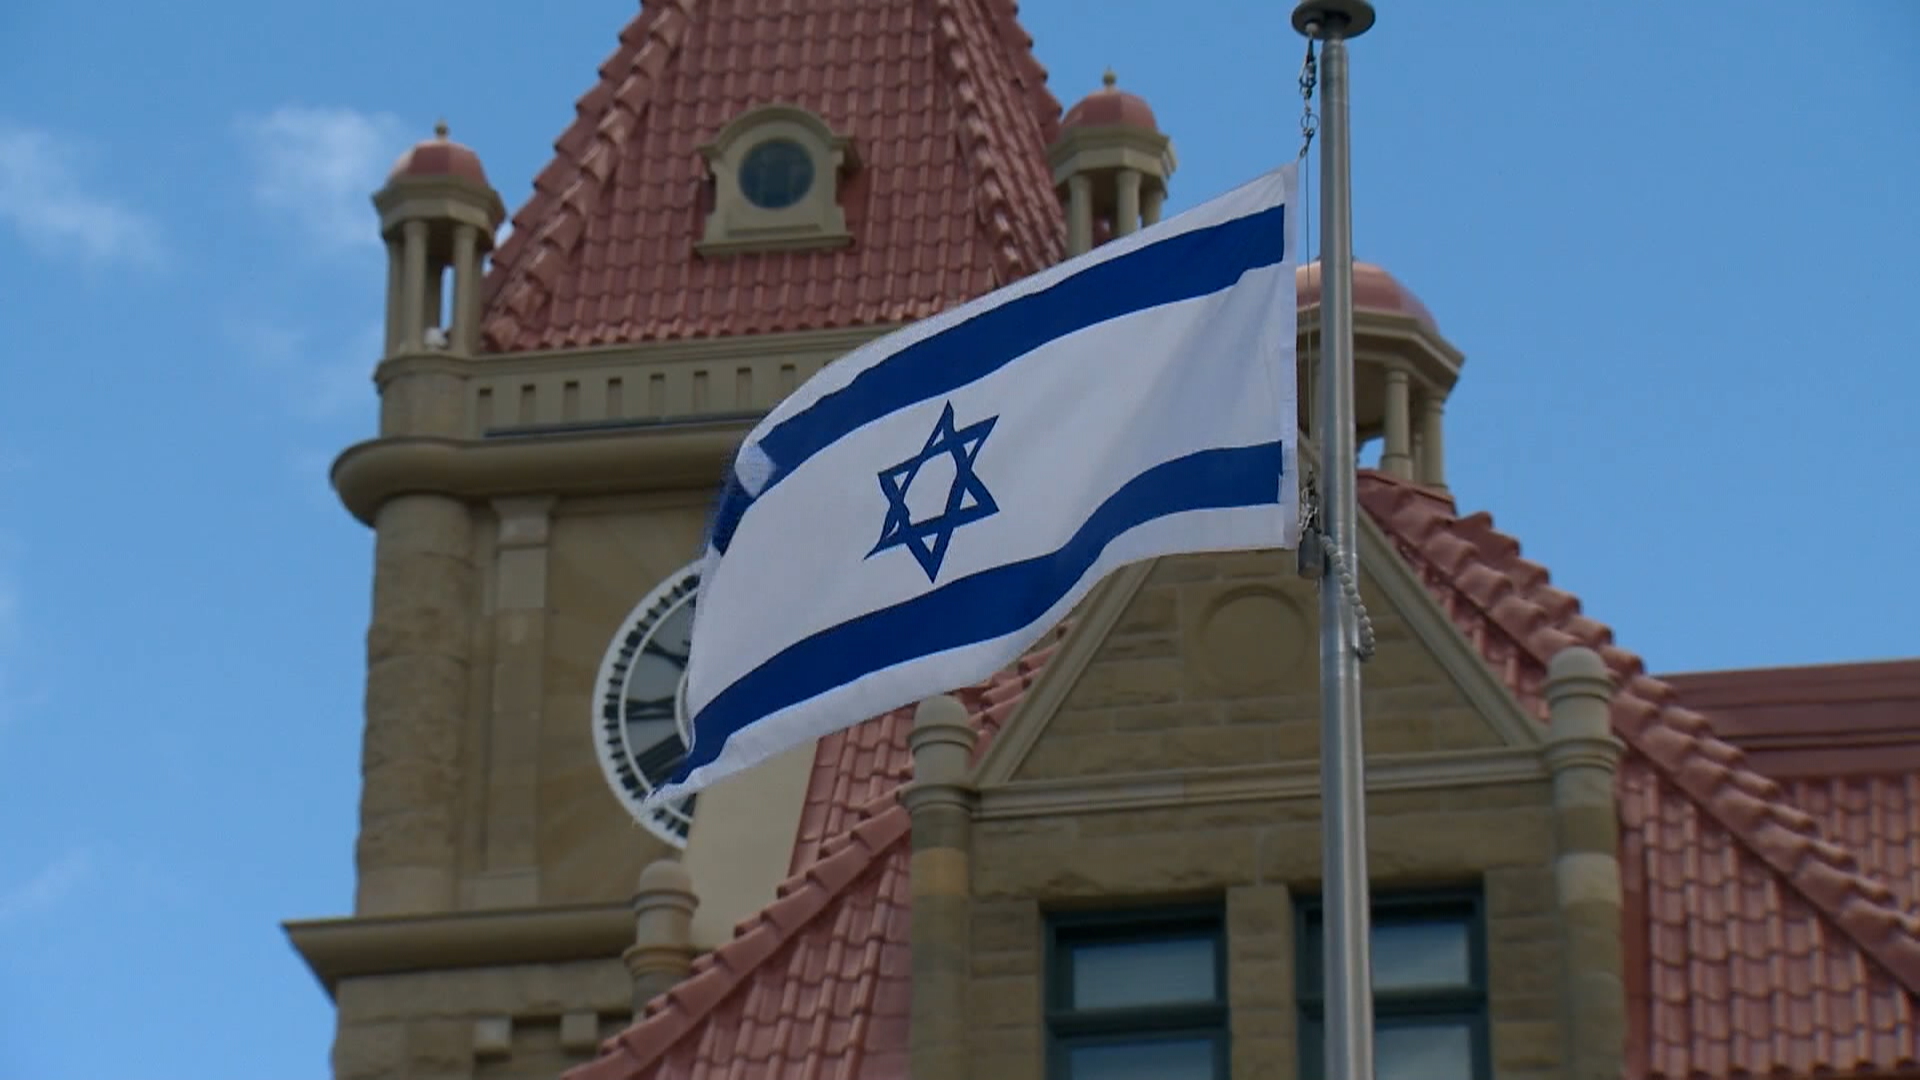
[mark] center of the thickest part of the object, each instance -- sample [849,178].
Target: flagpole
[1346,969]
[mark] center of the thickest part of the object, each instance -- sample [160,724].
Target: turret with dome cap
[1110,165]
[1111,105]
[439,156]
[1403,369]
[437,213]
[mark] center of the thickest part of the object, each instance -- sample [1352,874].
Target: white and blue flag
[915,516]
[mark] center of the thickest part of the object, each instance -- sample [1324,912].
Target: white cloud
[320,166]
[321,380]
[44,197]
[54,883]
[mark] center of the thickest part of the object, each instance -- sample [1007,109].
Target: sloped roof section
[1843,739]
[818,983]
[950,117]
[853,767]
[1756,946]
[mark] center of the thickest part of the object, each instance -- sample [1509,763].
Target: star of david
[968,500]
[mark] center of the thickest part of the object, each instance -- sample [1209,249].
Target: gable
[950,206]
[1212,662]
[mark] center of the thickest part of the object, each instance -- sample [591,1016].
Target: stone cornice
[1380,335]
[1254,783]
[337,949]
[651,457]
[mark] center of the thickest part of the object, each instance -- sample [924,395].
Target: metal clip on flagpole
[1346,968]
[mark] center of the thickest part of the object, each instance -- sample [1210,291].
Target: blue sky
[1678,257]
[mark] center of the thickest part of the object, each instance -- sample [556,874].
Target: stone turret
[437,213]
[1403,371]
[1110,165]
[438,216]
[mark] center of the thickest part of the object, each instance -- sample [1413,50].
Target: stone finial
[1109,80]
[662,950]
[942,741]
[1579,693]
[440,129]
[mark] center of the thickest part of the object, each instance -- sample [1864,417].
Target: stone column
[1433,464]
[466,289]
[941,807]
[1396,457]
[1584,757]
[396,274]
[1150,204]
[1127,218]
[416,702]
[413,285]
[1079,215]
[662,950]
[512,877]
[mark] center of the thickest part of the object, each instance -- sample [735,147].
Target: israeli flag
[915,516]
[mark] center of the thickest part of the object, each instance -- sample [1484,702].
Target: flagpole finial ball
[1325,19]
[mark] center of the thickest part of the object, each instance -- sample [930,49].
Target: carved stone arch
[742,219]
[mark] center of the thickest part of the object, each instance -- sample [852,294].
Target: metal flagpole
[1346,968]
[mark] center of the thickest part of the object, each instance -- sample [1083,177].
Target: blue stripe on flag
[1181,267]
[986,605]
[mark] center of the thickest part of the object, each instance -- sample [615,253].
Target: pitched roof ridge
[997,214]
[586,157]
[1679,743]
[1046,105]
[799,901]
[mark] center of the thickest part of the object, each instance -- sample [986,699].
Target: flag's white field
[914,517]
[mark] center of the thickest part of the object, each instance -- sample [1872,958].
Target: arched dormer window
[776,175]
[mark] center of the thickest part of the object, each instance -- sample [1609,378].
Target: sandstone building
[1103,862]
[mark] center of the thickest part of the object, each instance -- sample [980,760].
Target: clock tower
[555,414]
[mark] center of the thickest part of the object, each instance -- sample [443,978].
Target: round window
[776,174]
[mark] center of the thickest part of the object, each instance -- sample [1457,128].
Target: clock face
[639,712]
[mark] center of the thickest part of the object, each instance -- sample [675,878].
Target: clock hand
[643,709]
[653,646]
[660,759]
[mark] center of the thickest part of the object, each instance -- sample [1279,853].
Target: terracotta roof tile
[1757,945]
[1766,946]
[1843,740]
[951,119]
[855,766]
[817,982]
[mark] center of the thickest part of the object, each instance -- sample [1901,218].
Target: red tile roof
[951,119]
[869,761]
[817,984]
[1756,944]
[1844,740]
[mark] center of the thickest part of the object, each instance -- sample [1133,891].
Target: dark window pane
[1440,1050]
[1169,1059]
[1421,954]
[1167,971]
[776,174]
[1402,1050]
